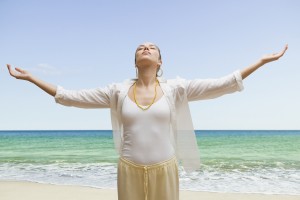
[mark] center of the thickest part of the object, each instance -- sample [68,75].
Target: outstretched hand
[18,73]
[275,56]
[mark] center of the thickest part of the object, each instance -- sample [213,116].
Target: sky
[88,44]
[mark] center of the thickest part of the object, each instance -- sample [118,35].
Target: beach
[15,190]
[234,165]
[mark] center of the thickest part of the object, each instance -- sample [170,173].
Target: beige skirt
[159,181]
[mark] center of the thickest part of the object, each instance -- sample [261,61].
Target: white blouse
[147,138]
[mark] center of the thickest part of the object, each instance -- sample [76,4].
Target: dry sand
[18,190]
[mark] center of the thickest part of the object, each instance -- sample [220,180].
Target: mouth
[146,53]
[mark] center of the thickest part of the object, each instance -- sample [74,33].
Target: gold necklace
[136,100]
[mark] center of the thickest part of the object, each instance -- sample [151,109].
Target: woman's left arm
[264,60]
[200,89]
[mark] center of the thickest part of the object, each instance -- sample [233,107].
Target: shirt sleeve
[85,98]
[200,89]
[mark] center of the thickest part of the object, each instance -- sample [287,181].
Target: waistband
[150,166]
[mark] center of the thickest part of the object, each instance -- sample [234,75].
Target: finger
[10,70]
[8,66]
[281,53]
[285,48]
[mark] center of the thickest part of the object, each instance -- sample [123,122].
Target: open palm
[18,73]
[275,56]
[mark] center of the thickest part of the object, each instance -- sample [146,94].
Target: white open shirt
[178,91]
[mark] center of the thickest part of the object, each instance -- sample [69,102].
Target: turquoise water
[231,161]
[250,149]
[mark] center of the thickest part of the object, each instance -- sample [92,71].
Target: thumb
[19,70]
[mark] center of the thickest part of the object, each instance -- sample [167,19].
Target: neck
[146,77]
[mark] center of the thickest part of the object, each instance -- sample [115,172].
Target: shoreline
[13,190]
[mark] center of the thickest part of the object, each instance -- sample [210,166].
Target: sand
[16,190]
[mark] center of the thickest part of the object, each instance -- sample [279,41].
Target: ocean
[255,161]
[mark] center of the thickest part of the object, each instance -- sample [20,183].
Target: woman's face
[147,53]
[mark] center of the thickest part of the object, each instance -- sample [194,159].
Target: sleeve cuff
[239,80]
[59,93]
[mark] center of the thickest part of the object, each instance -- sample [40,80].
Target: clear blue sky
[87,44]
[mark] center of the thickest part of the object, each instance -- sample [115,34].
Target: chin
[145,61]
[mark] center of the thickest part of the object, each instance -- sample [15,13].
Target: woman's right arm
[86,98]
[25,75]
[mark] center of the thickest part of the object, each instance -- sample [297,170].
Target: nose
[146,48]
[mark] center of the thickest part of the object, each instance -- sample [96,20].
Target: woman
[151,120]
